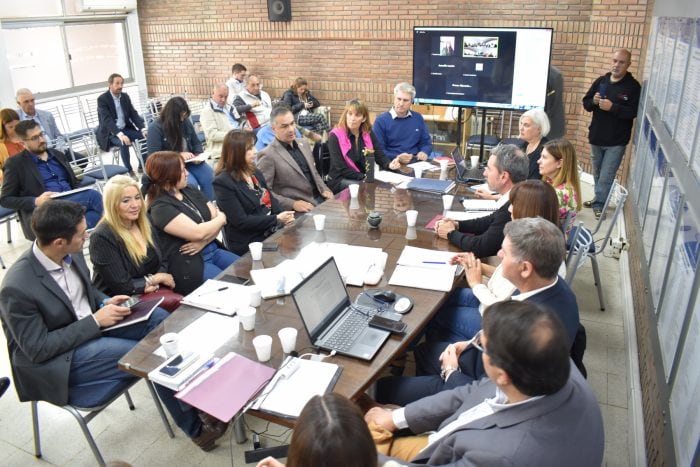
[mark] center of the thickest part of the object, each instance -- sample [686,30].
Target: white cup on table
[417,172]
[354,190]
[255,295]
[263,347]
[319,221]
[411,217]
[255,250]
[247,316]
[447,202]
[474,161]
[288,339]
[170,341]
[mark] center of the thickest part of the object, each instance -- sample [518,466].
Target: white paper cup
[474,161]
[263,347]
[288,339]
[319,221]
[255,296]
[411,217]
[354,189]
[411,233]
[255,250]
[247,316]
[443,165]
[169,341]
[447,201]
[417,172]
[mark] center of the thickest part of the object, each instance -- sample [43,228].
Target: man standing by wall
[613,98]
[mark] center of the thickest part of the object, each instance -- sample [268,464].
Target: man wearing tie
[218,118]
[120,123]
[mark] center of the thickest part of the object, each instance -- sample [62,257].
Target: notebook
[431,185]
[139,312]
[329,317]
[464,175]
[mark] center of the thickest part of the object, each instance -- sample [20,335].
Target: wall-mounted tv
[502,68]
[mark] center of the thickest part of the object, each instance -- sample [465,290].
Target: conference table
[345,223]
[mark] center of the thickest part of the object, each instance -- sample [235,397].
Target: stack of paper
[424,166]
[398,180]
[195,364]
[465,215]
[480,205]
[424,269]
[277,281]
[353,261]
[288,396]
[219,296]
[431,185]
[206,334]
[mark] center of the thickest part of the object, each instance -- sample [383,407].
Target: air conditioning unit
[106,5]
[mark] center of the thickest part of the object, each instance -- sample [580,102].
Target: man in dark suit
[288,166]
[535,408]
[483,236]
[37,174]
[120,123]
[533,249]
[59,348]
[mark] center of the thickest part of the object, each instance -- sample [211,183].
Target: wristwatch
[447,371]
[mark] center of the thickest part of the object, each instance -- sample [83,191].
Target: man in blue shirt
[402,133]
[38,174]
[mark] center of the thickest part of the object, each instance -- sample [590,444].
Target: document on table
[480,205]
[424,269]
[205,335]
[398,180]
[218,296]
[279,280]
[466,215]
[286,397]
[353,261]
[424,165]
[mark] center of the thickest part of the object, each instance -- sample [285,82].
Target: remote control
[288,370]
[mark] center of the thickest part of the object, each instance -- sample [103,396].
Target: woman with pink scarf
[348,144]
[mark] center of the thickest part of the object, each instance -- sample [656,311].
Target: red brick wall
[362,48]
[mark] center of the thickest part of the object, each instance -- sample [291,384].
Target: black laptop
[331,320]
[463,174]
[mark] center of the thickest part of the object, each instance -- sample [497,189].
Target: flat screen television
[501,68]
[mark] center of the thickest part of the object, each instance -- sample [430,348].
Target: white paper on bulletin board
[665,233]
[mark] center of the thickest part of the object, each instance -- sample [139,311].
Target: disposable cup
[169,341]
[263,347]
[255,250]
[447,201]
[443,165]
[417,172]
[247,316]
[474,161]
[354,189]
[255,295]
[411,233]
[319,221]
[411,217]
[288,339]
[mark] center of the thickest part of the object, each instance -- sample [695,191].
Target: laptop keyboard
[345,335]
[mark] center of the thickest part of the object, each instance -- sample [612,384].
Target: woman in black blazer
[242,194]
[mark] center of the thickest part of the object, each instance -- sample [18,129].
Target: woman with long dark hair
[242,194]
[173,131]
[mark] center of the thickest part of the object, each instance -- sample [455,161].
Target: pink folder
[225,388]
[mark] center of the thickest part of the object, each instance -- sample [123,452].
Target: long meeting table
[345,223]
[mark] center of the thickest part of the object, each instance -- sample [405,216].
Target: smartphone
[235,279]
[179,363]
[131,302]
[379,322]
[270,246]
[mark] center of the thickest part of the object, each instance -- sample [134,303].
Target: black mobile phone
[131,302]
[379,322]
[270,246]
[179,363]
[235,279]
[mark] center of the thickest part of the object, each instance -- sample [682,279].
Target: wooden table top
[345,223]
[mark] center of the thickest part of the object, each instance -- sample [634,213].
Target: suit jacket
[216,125]
[284,176]
[47,122]
[248,220]
[41,328]
[22,183]
[482,236]
[561,300]
[563,428]
[107,114]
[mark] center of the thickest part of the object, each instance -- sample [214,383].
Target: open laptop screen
[320,297]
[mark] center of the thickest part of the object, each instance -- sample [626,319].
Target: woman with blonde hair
[347,143]
[558,167]
[302,102]
[125,258]
[10,143]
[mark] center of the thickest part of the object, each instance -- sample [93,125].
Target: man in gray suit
[56,321]
[27,111]
[535,408]
[288,166]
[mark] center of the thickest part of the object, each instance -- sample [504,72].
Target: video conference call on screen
[504,68]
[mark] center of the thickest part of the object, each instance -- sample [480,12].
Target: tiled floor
[139,438]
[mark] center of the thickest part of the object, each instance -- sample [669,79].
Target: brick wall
[362,48]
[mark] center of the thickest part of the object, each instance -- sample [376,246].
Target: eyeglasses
[476,343]
[36,138]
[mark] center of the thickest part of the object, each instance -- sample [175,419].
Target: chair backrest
[580,244]
[620,194]
[567,221]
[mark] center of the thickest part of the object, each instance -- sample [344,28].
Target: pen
[220,289]
[434,262]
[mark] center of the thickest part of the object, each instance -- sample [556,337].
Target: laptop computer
[464,174]
[330,320]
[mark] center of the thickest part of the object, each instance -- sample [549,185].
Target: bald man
[218,118]
[613,99]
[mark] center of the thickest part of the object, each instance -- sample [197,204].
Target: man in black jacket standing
[120,123]
[613,98]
